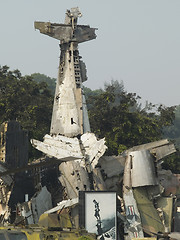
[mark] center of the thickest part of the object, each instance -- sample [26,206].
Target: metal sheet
[63,204]
[112,165]
[40,203]
[159,149]
[94,148]
[149,146]
[74,178]
[174,235]
[163,151]
[150,219]
[59,146]
[142,169]
[169,181]
[65,33]
[127,182]
[134,227]
[166,204]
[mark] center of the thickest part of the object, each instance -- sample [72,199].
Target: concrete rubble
[148,197]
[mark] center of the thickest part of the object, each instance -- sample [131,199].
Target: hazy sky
[138,41]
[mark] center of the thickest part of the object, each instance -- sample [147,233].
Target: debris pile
[46,192]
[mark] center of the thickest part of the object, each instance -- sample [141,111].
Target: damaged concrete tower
[70,130]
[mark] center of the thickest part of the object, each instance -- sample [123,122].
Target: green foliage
[172,162]
[114,113]
[118,116]
[51,82]
[173,132]
[167,115]
[24,100]
[91,93]
[88,92]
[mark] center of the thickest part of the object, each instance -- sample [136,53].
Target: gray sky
[138,41]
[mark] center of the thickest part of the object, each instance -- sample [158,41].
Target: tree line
[113,112]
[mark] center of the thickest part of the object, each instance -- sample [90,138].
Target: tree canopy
[119,117]
[113,112]
[51,82]
[24,100]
